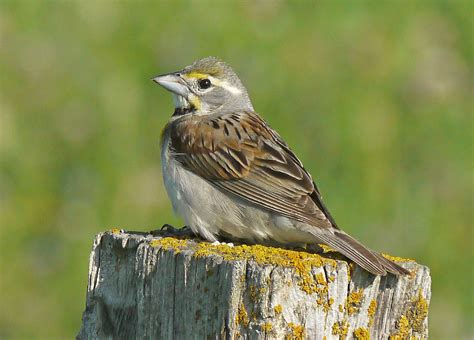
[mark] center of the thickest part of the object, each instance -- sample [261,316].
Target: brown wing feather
[239,153]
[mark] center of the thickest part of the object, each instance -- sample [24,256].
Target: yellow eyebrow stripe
[196,75]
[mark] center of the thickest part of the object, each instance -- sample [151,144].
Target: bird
[229,175]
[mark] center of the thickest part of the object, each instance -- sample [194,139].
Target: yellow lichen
[253,293]
[267,327]
[371,311]
[256,294]
[361,334]
[340,328]
[403,327]
[341,308]
[330,302]
[170,243]
[297,332]
[417,313]
[253,315]
[242,317]
[397,259]
[115,231]
[413,319]
[354,301]
[302,262]
[320,279]
[278,309]
[326,248]
[321,290]
[351,267]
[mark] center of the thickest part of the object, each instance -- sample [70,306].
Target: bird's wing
[240,154]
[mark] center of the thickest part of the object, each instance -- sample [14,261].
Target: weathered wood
[142,286]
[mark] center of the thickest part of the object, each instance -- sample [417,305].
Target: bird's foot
[169,230]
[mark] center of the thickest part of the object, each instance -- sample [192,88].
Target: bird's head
[206,86]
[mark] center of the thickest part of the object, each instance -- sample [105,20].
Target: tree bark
[141,286]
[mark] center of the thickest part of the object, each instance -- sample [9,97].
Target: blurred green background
[374,97]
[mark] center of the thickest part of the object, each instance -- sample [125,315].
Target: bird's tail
[364,257]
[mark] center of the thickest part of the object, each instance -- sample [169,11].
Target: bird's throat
[184,106]
[180,102]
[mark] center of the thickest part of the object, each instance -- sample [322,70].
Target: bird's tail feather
[354,250]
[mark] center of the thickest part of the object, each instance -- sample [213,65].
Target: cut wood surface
[157,287]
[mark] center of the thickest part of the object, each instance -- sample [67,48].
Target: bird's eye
[204,84]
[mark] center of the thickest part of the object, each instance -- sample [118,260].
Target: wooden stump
[142,286]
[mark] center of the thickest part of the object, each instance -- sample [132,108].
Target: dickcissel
[230,175]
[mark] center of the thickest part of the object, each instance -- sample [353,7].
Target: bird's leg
[169,230]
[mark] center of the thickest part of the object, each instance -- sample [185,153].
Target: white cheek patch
[225,85]
[180,102]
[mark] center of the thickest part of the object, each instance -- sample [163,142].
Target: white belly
[210,212]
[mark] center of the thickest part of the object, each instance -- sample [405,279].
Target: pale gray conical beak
[173,83]
[177,86]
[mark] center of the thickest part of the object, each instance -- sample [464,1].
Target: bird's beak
[173,83]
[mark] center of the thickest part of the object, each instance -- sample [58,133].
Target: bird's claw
[169,230]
